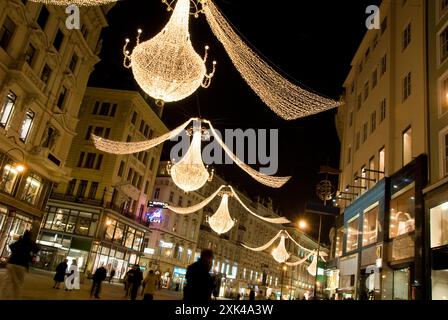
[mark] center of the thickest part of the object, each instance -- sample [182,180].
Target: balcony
[72,198]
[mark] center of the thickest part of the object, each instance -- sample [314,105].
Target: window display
[370,227]
[402,214]
[9,179]
[352,234]
[33,188]
[339,239]
[439,225]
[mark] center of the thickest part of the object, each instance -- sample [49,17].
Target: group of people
[134,280]
[70,277]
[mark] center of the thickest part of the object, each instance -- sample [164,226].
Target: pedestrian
[252,295]
[137,278]
[59,277]
[72,280]
[128,282]
[112,274]
[238,296]
[200,283]
[98,277]
[22,252]
[150,286]
[260,295]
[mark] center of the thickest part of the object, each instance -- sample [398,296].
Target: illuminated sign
[149,250]
[155,215]
[157,204]
[164,244]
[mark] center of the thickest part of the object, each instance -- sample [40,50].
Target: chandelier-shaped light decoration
[117,147]
[199,206]
[279,253]
[75,2]
[190,173]
[166,67]
[286,99]
[312,267]
[221,221]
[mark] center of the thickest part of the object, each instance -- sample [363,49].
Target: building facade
[44,70]
[100,215]
[384,146]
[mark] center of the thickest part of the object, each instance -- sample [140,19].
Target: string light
[279,253]
[221,221]
[189,173]
[167,67]
[286,99]
[75,2]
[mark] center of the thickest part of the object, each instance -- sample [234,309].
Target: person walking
[22,252]
[137,278]
[150,286]
[128,282]
[200,283]
[111,275]
[61,271]
[98,277]
[252,295]
[72,280]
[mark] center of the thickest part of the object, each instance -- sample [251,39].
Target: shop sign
[167,245]
[155,215]
[149,250]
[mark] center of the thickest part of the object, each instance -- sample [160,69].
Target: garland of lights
[299,262]
[116,147]
[232,193]
[321,253]
[167,67]
[286,99]
[75,2]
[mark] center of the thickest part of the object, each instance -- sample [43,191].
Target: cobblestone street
[39,286]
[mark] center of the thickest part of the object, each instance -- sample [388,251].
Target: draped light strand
[321,253]
[196,207]
[75,2]
[167,67]
[299,262]
[286,99]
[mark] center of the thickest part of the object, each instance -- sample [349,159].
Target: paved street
[38,286]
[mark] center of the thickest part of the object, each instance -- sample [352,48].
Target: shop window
[26,125]
[352,234]
[402,214]
[370,227]
[401,284]
[60,220]
[407,146]
[339,239]
[71,222]
[10,178]
[439,225]
[32,189]
[83,224]
[6,32]
[110,228]
[129,237]
[119,233]
[7,108]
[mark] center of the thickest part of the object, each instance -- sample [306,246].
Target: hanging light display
[286,99]
[221,221]
[167,67]
[190,173]
[194,156]
[75,2]
[279,253]
[312,267]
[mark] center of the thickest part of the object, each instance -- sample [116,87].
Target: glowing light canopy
[167,67]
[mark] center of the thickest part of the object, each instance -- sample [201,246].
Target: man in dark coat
[136,281]
[200,283]
[98,278]
[59,277]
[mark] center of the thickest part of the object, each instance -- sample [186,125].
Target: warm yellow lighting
[221,221]
[302,224]
[168,252]
[20,167]
[75,2]
[279,253]
[108,222]
[284,268]
[167,67]
[286,99]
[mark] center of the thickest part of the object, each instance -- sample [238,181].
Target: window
[82,188]
[360,68]
[145,158]
[128,139]
[43,17]
[157,193]
[30,54]
[370,227]
[61,98]
[107,133]
[373,122]
[6,32]
[73,63]
[352,87]
[81,159]
[363,180]
[32,189]
[26,125]
[339,238]
[49,137]
[350,119]
[371,173]
[384,25]
[366,90]
[7,109]
[105,108]
[359,102]
[145,133]
[146,187]
[444,45]
[90,160]
[383,64]
[130,173]
[114,110]
[374,78]
[443,7]
[382,162]
[407,146]
[70,187]
[151,166]
[407,86]
[358,140]
[46,73]
[120,169]
[180,201]
[407,36]
[142,125]
[364,132]
[9,178]
[58,39]
[349,155]
[84,31]
[439,225]
[375,41]
[89,132]
[352,234]
[134,117]
[443,96]
[93,190]
[402,214]
[367,54]
[98,162]
[382,110]
[171,196]
[98,131]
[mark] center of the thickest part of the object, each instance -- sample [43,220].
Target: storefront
[179,278]
[348,271]
[12,226]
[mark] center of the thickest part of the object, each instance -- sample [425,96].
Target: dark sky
[311,42]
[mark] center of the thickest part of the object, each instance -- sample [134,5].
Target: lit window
[339,238]
[402,214]
[7,108]
[9,178]
[32,189]
[407,146]
[370,227]
[382,163]
[439,225]
[352,234]
[26,125]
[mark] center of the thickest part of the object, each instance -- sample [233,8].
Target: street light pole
[317,257]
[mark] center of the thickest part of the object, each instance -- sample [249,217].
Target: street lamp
[302,224]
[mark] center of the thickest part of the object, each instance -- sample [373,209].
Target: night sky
[310,42]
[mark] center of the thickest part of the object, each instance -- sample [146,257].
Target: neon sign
[155,216]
